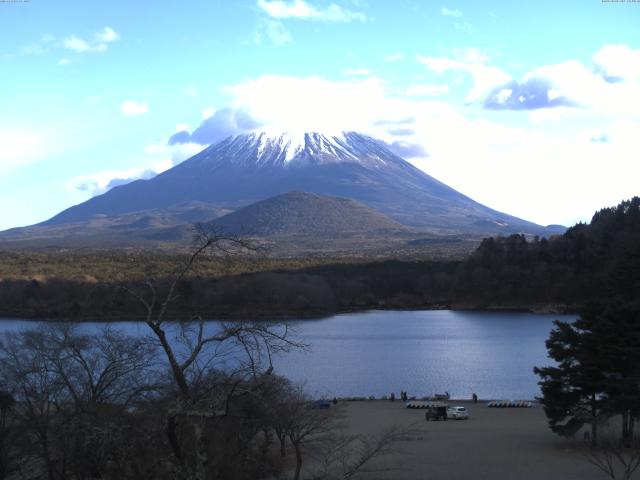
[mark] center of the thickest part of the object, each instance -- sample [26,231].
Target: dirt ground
[496,444]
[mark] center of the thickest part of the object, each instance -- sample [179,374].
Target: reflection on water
[422,352]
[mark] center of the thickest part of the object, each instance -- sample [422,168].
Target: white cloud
[310,103]
[450,13]
[107,35]
[48,43]
[592,89]
[20,147]
[132,107]
[181,127]
[158,158]
[283,9]
[303,10]
[618,62]
[77,44]
[485,77]
[274,32]
[101,182]
[100,42]
[208,112]
[422,90]
[504,95]
[179,153]
[169,155]
[157,148]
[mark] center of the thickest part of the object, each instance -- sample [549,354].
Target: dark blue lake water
[421,352]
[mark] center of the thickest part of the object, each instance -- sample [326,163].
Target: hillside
[301,213]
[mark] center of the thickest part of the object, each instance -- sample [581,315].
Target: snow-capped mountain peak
[255,166]
[275,148]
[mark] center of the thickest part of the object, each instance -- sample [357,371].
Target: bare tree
[7,434]
[196,350]
[320,434]
[347,456]
[39,394]
[308,426]
[258,340]
[73,393]
[616,458]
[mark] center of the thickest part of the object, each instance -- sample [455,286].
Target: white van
[457,413]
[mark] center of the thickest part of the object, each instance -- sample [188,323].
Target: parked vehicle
[457,413]
[319,405]
[436,412]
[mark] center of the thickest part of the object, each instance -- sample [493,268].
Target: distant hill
[135,229]
[302,213]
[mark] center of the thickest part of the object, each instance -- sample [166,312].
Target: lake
[491,354]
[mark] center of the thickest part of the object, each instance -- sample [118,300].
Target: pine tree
[597,375]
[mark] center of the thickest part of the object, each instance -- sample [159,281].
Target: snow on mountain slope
[267,149]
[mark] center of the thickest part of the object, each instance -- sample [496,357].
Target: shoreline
[466,401]
[547,309]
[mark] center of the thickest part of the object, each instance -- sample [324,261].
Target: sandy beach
[513,443]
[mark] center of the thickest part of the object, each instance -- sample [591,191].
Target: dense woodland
[595,261]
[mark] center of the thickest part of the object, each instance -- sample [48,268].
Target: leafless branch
[612,458]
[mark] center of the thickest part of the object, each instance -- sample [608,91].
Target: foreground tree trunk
[283,449]
[626,441]
[594,421]
[296,476]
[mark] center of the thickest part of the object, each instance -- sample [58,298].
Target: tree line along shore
[595,261]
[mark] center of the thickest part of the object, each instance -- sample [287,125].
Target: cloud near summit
[222,124]
[296,104]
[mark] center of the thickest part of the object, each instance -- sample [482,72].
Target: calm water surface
[422,352]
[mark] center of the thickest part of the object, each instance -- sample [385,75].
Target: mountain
[302,213]
[247,168]
[129,229]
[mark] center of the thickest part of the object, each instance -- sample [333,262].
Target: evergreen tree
[572,391]
[597,375]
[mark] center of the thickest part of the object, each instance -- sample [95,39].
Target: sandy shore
[493,444]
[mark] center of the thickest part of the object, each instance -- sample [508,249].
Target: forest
[595,261]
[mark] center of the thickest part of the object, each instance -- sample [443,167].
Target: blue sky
[532,109]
